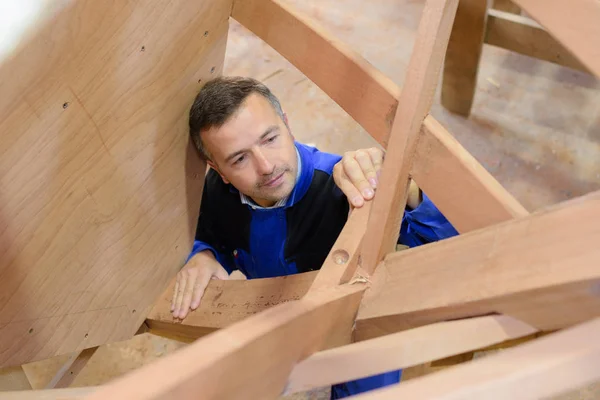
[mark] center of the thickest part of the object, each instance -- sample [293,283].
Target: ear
[287,124]
[216,168]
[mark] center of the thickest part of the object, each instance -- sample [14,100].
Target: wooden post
[462,56]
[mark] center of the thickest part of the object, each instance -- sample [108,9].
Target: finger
[187,296]
[377,159]
[199,288]
[357,178]
[366,165]
[355,198]
[180,290]
[174,300]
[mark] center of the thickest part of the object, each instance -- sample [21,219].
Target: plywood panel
[99,186]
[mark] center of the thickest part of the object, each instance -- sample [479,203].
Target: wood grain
[525,36]
[541,269]
[365,93]
[413,106]
[100,186]
[402,350]
[69,371]
[574,24]
[461,65]
[460,187]
[542,368]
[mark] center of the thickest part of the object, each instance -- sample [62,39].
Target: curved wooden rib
[402,350]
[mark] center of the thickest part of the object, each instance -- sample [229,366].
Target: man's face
[254,151]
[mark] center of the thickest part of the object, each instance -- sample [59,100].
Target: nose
[263,165]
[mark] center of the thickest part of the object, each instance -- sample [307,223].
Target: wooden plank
[462,57]
[69,371]
[402,350]
[542,368]
[525,36]
[460,187]
[226,302]
[574,24]
[100,186]
[296,329]
[366,94]
[413,106]
[541,269]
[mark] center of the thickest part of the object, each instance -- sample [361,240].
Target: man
[272,206]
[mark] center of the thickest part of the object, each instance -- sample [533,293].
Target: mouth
[275,181]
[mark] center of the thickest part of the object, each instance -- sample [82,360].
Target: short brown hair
[218,100]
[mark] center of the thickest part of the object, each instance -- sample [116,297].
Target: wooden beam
[365,93]
[541,269]
[525,36]
[70,369]
[244,353]
[13,378]
[413,106]
[402,350]
[458,185]
[342,260]
[573,23]
[462,57]
[542,368]
[226,302]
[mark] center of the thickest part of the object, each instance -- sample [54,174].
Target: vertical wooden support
[462,57]
[413,106]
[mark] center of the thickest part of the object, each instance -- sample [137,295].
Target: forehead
[254,116]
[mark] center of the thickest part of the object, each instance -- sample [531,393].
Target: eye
[239,160]
[272,139]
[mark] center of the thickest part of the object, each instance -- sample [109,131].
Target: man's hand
[192,280]
[357,175]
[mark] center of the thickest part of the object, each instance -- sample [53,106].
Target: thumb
[221,273]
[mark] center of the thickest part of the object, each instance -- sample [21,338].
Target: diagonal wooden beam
[542,269]
[542,368]
[460,187]
[364,92]
[70,369]
[244,352]
[402,350]
[413,106]
[573,23]
[525,36]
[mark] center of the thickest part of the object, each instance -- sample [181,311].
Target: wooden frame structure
[546,35]
[368,309]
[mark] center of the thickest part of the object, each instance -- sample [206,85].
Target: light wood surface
[525,36]
[469,196]
[100,186]
[573,23]
[539,369]
[69,371]
[541,269]
[413,106]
